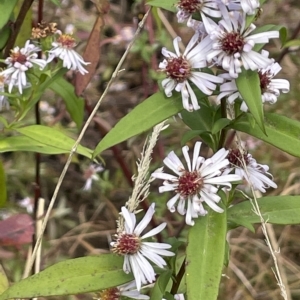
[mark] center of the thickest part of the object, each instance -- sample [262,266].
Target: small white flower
[248,6]
[90,174]
[270,88]
[127,290]
[232,43]
[198,184]
[256,174]
[20,61]
[130,244]
[187,7]
[180,68]
[27,203]
[63,49]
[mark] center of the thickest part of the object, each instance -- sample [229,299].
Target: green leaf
[74,104]
[6,8]
[165,4]
[147,114]
[190,135]
[3,194]
[25,30]
[275,210]
[160,285]
[220,124]
[205,256]
[292,43]
[52,137]
[3,281]
[4,35]
[282,132]
[201,120]
[25,143]
[73,276]
[56,2]
[248,84]
[283,35]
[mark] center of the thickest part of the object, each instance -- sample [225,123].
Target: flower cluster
[22,60]
[221,39]
[227,44]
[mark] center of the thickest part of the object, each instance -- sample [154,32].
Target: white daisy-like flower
[137,252]
[270,87]
[187,7]
[90,174]
[19,62]
[232,43]
[249,7]
[198,183]
[255,174]
[4,104]
[127,290]
[182,68]
[63,49]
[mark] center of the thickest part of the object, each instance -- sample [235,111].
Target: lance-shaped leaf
[6,8]
[74,104]
[147,114]
[165,4]
[248,84]
[73,276]
[282,132]
[25,143]
[52,137]
[4,284]
[205,256]
[275,209]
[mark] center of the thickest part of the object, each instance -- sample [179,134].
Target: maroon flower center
[235,157]
[265,79]
[18,57]
[67,41]
[232,43]
[190,6]
[110,294]
[189,184]
[127,244]
[178,69]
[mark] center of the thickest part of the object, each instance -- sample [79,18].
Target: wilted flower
[20,61]
[63,49]
[270,88]
[244,165]
[198,183]
[232,43]
[182,68]
[130,244]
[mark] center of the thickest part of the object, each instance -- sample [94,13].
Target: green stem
[224,130]
[178,278]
